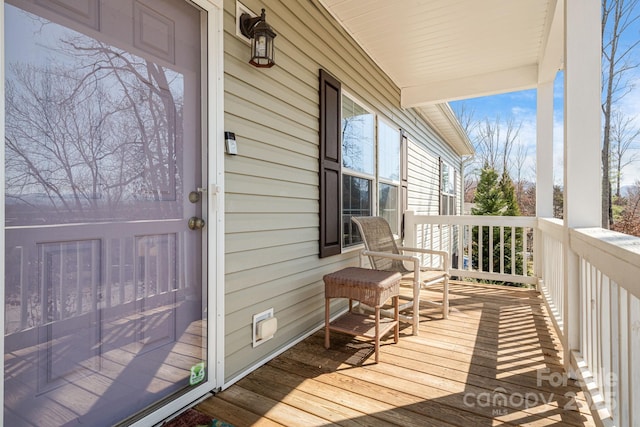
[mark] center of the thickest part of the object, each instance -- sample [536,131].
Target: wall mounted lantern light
[261,36]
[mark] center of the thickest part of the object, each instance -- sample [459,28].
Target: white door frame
[213,244]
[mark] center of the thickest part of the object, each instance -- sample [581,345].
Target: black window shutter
[330,165]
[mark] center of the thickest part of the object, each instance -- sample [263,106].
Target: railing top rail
[620,245]
[551,226]
[496,221]
[615,254]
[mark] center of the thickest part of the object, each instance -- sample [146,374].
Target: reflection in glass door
[105,312]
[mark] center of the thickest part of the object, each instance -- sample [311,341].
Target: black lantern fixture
[261,36]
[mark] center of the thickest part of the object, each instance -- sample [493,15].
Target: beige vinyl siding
[424,180]
[271,186]
[424,195]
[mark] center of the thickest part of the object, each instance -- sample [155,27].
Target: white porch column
[581,145]
[544,151]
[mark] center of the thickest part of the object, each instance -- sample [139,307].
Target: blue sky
[521,106]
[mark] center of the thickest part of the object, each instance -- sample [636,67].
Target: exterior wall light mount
[261,35]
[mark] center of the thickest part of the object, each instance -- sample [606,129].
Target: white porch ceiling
[443,50]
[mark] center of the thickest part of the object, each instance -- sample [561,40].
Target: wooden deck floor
[495,361]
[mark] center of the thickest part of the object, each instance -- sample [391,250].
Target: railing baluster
[95,273]
[480,249]
[121,270]
[519,233]
[633,378]
[78,273]
[593,286]
[490,249]
[24,292]
[621,375]
[460,233]
[607,352]
[108,282]
[501,249]
[514,252]
[614,355]
[171,261]
[469,247]
[43,290]
[57,298]
[588,311]
[146,242]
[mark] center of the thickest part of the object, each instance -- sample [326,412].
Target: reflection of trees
[352,142]
[357,141]
[92,134]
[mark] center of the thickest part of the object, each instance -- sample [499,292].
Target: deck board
[487,365]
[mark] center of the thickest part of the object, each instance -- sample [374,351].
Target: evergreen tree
[488,199]
[495,196]
[512,209]
[509,196]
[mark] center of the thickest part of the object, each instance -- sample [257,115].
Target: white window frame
[394,183]
[444,210]
[357,174]
[374,178]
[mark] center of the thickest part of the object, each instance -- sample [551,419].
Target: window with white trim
[389,174]
[448,189]
[370,169]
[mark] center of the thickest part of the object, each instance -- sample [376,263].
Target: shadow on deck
[495,361]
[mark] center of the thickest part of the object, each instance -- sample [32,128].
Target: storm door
[105,313]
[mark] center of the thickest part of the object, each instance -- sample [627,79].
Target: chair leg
[327,309]
[445,299]
[396,317]
[377,339]
[416,306]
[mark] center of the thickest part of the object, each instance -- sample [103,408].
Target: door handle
[194,196]
[196,223]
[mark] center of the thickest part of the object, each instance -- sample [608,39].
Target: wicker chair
[384,254]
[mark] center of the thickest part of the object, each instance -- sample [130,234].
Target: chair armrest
[443,254]
[409,258]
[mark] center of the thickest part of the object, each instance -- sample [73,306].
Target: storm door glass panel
[104,296]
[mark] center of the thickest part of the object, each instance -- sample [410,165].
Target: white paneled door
[105,296]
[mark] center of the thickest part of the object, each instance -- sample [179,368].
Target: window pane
[388,208]
[358,150]
[389,155]
[356,201]
[448,179]
[448,204]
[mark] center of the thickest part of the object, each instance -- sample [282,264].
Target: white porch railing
[69,283]
[608,293]
[609,351]
[604,290]
[550,242]
[481,247]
